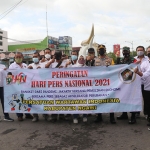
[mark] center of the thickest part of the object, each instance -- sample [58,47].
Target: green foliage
[112,55]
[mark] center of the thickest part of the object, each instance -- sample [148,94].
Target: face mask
[126,55]
[82,61]
[148,54]
[102,52]
[47,56]
[74,57]
[140,53]
[35,60]
[18,60]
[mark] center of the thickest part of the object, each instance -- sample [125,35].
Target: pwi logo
[20,78]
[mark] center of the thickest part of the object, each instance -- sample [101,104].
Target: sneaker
[8,119]
[29,116]
[20,118]
[75,120]
[84,119]
[148,129]
[35,119]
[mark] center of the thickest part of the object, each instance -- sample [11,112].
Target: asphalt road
[64,135]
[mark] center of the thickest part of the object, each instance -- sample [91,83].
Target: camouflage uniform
[126,60]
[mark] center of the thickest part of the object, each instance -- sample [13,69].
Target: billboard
[52,40]
[65,40]
[116,49]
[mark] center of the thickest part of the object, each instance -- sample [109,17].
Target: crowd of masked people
[63,61]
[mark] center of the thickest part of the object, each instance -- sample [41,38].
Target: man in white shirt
[36,65]
[47,54]
[75,62]
[36,62]
[18,64]
[6,115]
[142,58]
[56,62]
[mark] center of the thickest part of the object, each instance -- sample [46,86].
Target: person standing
[36,65]
[145,79]
[74,62]
[103,60]
[127,59]
[6,115]
[18,64]
[141,57]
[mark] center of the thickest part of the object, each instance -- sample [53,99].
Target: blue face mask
[35,60]
[74,57]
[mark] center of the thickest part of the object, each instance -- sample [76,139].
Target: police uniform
[103,60]
[127,59]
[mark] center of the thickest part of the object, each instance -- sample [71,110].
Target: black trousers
[145,99]
[2,101]
[147,102]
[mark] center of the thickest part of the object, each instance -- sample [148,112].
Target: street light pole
[131,44]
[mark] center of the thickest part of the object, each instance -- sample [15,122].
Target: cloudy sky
[115,21]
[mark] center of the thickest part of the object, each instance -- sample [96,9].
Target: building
[3,41]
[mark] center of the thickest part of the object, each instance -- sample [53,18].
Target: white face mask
[47,56]
[140,53]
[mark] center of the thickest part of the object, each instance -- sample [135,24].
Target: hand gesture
[30,67]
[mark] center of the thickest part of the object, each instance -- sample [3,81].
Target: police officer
[127,59]
[103,60]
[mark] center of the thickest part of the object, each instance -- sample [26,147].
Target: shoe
[137,115]
[148,119]
[49,118]
[75,121]
[132,121]
[45,116]
[98,119]
[35,119]
[112,121]
[122,117]
[8,119]
[148,129]
[29,116]
[84,119]
[66,117]
[20,118]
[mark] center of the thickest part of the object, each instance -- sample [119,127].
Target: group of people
[62,61]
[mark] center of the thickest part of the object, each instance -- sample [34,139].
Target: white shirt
[146,75]
[1,74]
[75,65]
[34,66]
[53,65]
[16,66]
[45,62]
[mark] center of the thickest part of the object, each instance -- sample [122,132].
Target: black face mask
[148,54]
[126,55]
[102,51]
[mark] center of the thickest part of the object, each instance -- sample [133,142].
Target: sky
[115,21]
